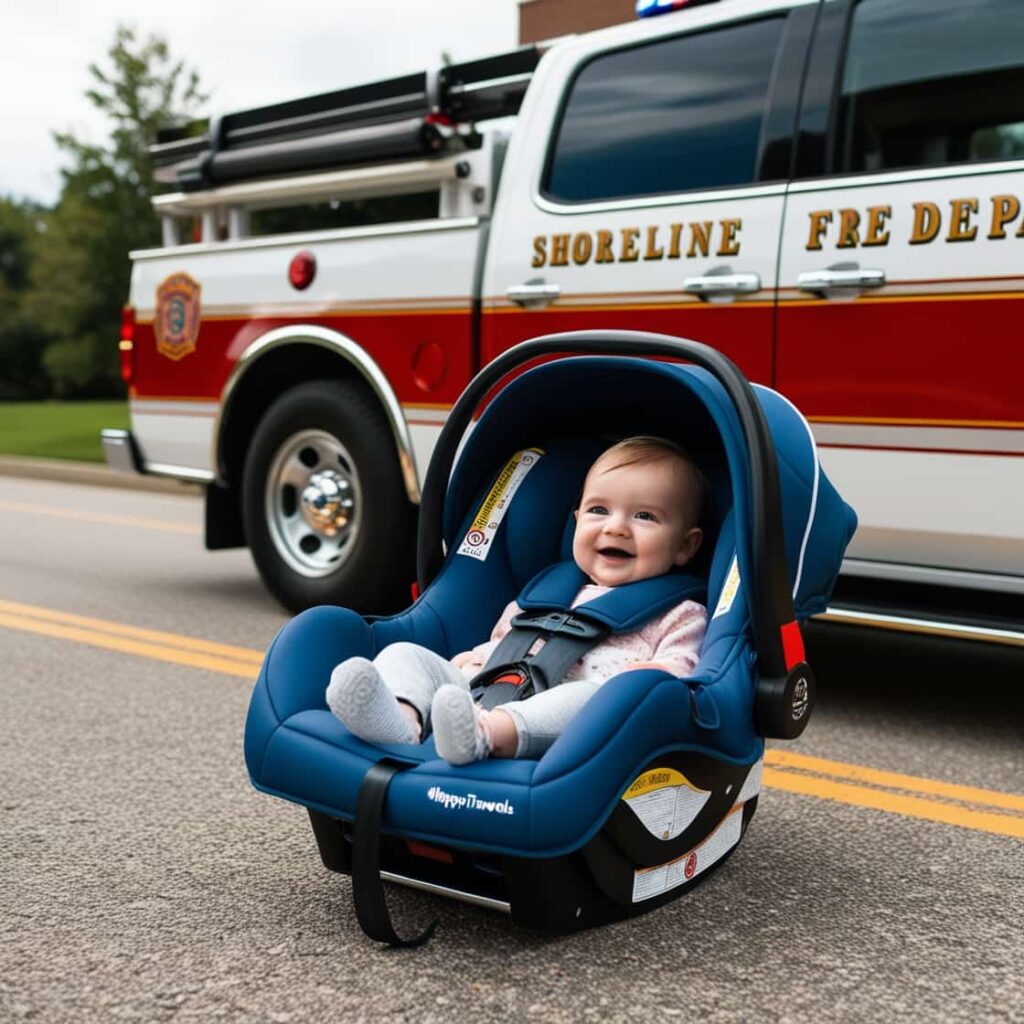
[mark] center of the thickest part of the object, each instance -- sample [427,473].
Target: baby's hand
[647,664]
[469,662]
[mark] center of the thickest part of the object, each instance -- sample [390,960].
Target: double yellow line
[910,795]
[949,803]
[148,643]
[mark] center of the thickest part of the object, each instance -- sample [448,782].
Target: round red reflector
[302,269]
[428,366]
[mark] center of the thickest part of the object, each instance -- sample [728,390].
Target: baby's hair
[644,448]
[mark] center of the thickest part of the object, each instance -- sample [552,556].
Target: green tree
[21,341]
[80,273]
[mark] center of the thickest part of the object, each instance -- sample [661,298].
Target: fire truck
[831,192]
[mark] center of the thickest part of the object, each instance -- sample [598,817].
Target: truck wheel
[326,514]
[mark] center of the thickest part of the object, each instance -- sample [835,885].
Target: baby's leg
[365,695]
[464,732]
[414,674]
[540,720]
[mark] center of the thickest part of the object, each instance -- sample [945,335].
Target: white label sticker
[729,590]
[478,539]
[752,783]
[648,882]
[665,801]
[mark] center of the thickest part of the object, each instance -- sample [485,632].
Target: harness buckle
[502,683]
[563,623]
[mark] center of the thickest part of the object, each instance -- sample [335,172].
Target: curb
[92,473]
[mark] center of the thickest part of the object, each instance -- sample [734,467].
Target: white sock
[458,731]
[359,697]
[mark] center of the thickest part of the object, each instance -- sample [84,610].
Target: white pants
[414,674]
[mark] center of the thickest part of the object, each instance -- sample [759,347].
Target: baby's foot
[360,698]
[459,731]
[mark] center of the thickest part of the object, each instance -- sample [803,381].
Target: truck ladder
[423,115]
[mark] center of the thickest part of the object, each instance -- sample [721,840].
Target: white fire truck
[831,192]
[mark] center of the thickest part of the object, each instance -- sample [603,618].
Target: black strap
[367,887]
[567,637]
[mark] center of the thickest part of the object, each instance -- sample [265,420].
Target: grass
[58,430]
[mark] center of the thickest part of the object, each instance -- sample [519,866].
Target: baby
[637,518]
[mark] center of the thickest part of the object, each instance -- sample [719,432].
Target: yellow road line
[113,642]
[157,639]
[894,780]
[879,800]
[142,522]
[784,770]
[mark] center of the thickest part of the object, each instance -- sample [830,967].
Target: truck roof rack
[419,115]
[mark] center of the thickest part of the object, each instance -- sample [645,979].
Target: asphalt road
[141,878]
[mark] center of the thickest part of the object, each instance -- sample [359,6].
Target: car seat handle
[771,601]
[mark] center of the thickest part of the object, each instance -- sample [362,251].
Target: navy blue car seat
[654,783]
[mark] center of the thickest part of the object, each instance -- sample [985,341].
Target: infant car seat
[653,784]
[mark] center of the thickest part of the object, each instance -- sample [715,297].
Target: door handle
[722,284]
[533,293]
[853,277]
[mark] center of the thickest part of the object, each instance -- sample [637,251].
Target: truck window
[932,82]
[671,116]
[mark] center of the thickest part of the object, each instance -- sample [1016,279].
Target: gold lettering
[729,245]
[604,247]
[630,253]
[540,256]
[700,238]
[876,233]
[673,241]
[820,220]
[652,253]
[960,227]
[1004,209]
[927,221]
[581,246]
[560,250]
[848,235]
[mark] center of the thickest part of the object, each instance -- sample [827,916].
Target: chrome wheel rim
[313,503]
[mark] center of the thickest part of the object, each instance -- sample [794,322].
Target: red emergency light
[651,8]
[126,345]
[302,269]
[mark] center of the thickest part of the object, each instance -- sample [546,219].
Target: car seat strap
[567,637]
[367,887]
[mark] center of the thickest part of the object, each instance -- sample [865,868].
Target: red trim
[415,589]
[431,852]
[926,451]
[792,644]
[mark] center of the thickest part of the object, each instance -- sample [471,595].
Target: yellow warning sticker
[479,537]
[729,590]
[665,801]
[656,778]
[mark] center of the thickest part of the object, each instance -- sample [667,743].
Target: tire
[326,514]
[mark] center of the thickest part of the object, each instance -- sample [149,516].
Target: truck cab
[828,191]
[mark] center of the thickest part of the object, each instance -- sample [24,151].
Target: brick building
[548,19]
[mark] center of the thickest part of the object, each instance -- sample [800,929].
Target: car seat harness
[518,668]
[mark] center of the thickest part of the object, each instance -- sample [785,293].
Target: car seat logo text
[468,802]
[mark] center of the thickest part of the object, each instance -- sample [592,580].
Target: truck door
[902,281]
[645,182]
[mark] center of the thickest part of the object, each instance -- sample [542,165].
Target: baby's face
[630,524]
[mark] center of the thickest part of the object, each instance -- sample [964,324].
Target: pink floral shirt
[672,640]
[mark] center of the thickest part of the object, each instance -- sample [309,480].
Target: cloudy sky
[247,54]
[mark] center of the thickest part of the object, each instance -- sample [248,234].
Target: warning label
[480,536]
[729,590]
[665,801]
[648,882]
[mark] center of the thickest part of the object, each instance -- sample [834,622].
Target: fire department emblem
[177,316]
